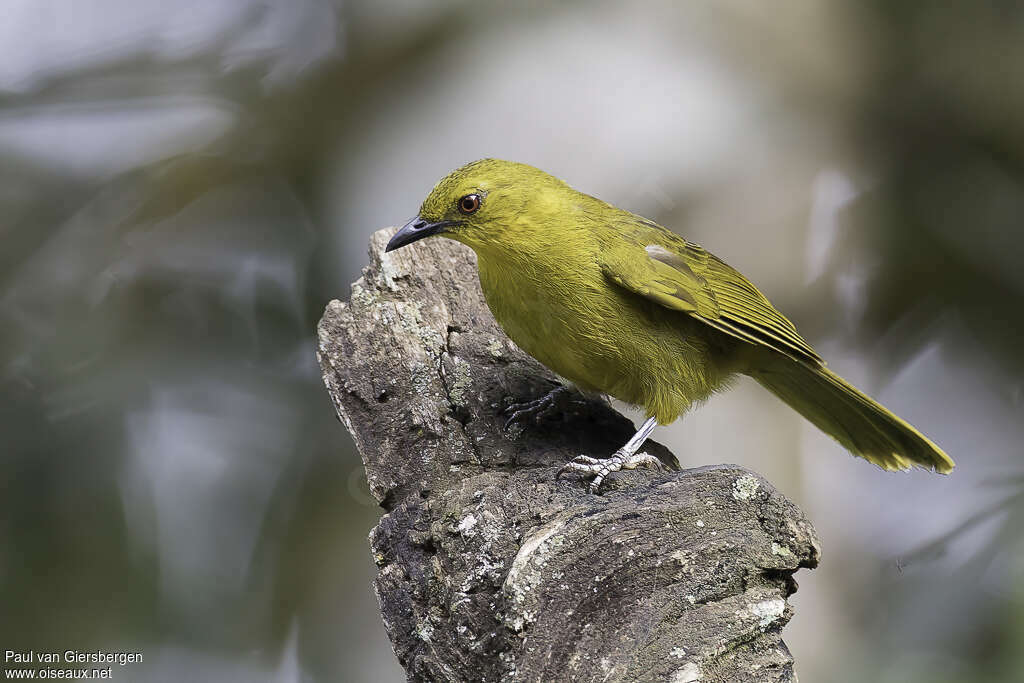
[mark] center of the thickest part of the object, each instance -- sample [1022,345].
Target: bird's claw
[600,468]
[539,409]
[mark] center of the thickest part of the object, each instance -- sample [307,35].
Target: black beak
[416,229]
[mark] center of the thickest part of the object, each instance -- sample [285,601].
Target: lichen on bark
[489,569]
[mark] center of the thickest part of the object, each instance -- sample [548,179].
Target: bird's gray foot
[559,399]
[599,468]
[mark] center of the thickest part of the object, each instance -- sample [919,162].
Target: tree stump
[489,569]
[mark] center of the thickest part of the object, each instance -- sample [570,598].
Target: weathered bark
[490,570]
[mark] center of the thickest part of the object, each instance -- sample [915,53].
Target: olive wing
[663,267]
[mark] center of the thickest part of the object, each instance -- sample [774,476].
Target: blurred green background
[183,187]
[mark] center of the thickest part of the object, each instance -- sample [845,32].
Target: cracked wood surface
[489,570]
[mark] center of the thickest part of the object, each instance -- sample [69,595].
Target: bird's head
[491,205]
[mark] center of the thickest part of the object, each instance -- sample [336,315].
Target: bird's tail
[860,424]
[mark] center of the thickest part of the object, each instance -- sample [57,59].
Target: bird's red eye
[470,203]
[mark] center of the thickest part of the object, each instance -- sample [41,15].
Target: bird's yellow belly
[606,344]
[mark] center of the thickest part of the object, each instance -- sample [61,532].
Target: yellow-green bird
[618,305]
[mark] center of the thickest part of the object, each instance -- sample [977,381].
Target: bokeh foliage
[173,477]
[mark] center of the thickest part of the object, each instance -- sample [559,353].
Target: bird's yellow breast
[598,337]
[544,325]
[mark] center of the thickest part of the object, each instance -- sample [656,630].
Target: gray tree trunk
[490,570]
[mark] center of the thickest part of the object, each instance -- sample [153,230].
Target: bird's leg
[557,399]
[626,458]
